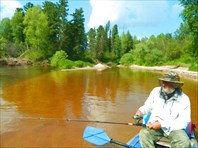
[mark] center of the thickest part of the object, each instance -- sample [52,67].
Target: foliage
[80,39]
[36,29]
[17,26]
[34,55]
[51,10]
[81,63]
[38,32]
[100,42]
[190,17]
[62,27]
[3,47]
[126,43]
[154,57]
[92,43]
[6,29]
[59,59]
[127,59]
[193,67]
[139,53]
[27,6]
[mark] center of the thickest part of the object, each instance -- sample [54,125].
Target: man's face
[168,87]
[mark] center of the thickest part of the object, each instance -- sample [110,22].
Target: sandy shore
[98,67]
[182,71]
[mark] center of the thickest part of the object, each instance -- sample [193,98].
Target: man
[170,113]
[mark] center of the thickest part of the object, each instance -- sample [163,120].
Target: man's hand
[155,125]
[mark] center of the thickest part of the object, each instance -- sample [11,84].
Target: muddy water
[33,99]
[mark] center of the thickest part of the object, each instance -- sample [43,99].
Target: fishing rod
[108,122]
[84,120]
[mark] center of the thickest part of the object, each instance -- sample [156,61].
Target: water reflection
[109,95]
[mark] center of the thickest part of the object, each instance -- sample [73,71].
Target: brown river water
[32,100]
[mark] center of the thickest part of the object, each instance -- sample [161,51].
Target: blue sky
[141,17]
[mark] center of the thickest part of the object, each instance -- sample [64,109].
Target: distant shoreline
[182,71]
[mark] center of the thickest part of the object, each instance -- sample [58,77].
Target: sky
[142,18]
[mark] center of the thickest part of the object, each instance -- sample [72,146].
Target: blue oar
[98,137]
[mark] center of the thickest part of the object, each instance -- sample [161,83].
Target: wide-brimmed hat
[171,77]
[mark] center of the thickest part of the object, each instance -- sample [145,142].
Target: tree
[153,57]
[62,15]
[190,17]
[6,37]
[3,47]
[115,42]
[126,43]
[117,47]
[92,42]
[160,42]
[127,59]
[108,36]
[152,42]
[114,33]
[17,26]
[80,39]
[51,10]
[139,53]
[28,6]
[6,29]
[36,30]
[100,43]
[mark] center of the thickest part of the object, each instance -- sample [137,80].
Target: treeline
[38,32]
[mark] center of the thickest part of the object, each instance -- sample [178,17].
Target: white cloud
[8,8]
[103,11]
[126,13]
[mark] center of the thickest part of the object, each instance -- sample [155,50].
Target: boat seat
[164,142]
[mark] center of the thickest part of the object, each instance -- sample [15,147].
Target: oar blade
[96,136]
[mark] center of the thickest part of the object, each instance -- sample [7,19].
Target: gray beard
[168,90]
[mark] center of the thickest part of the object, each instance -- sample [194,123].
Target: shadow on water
[11,75]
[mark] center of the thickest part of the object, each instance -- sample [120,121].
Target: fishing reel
[138,118]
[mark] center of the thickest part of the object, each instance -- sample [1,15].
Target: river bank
[182,71]
[14,62]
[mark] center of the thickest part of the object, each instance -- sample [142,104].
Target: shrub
[79,63]
[194,65]
[154,57]
[32,54]
[127,59]
[59,59]
[67,64]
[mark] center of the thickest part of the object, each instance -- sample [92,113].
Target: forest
[39,33]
